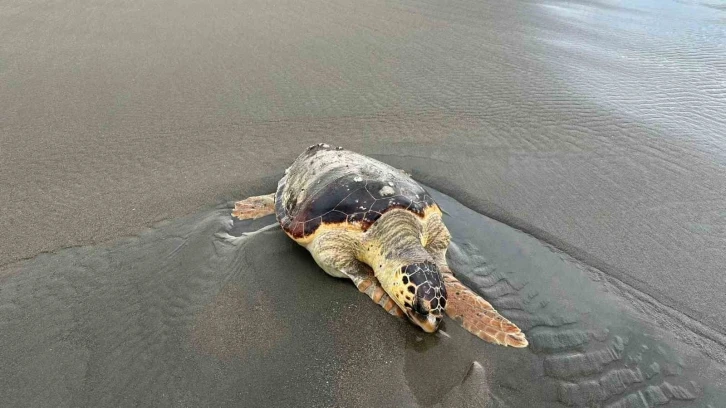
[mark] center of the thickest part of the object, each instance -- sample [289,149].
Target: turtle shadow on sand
[181,315]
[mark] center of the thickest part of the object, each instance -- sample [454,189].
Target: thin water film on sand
[182,314]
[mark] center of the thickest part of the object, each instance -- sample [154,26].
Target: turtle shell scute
[359,192]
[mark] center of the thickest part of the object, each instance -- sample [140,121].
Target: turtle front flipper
[368,284]
[335,252]
[474,313]
[254,207]
[479,317]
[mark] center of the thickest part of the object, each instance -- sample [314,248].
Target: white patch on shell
[358,179]
[390,183]
[386,191]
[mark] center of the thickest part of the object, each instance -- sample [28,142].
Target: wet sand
[193,313]
[596,128]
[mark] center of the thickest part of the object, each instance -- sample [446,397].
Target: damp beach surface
[579,147]
[196,312]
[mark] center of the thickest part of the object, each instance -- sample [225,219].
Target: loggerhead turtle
[364,220]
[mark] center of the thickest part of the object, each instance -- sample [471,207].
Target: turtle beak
[429,323]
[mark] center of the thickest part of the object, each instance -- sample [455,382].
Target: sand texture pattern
[186,314]
[597,128]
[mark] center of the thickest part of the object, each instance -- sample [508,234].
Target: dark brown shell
[331,185]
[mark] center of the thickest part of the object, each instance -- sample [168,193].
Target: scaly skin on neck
[392,243]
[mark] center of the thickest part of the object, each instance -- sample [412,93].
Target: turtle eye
[424,297]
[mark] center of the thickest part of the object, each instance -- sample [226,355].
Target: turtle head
[423,297]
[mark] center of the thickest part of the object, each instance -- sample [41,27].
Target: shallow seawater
[186,315]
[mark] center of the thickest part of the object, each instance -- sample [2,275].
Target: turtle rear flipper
[479,317]
[254,207]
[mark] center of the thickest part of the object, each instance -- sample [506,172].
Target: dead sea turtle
[364,220]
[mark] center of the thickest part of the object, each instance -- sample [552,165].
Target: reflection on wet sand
[183,312]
